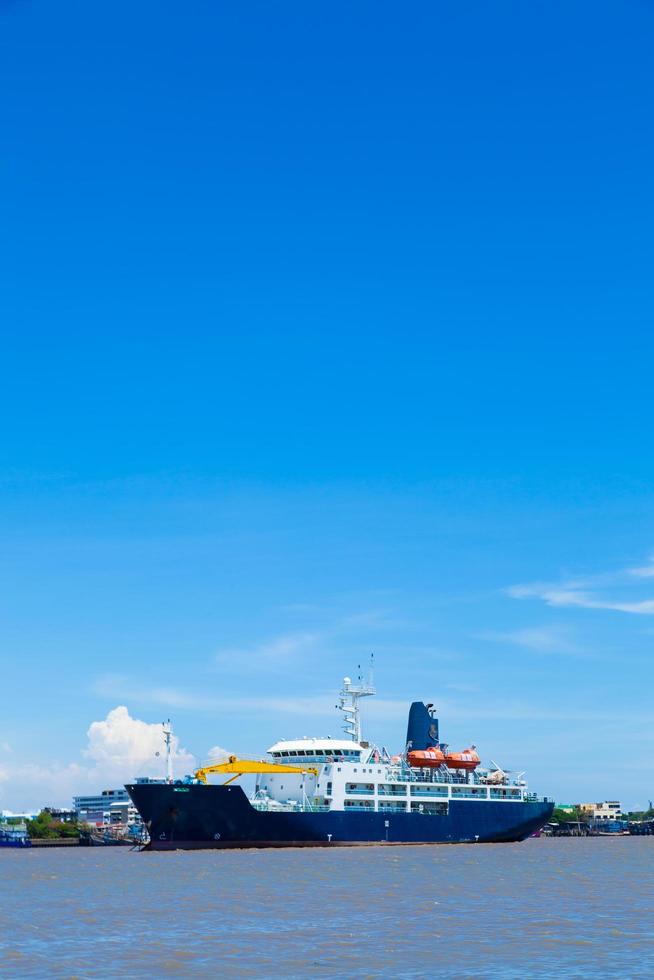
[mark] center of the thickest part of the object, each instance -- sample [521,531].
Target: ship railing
[429,792]
[451,777]
[470,792]
[441,775]
[265,806]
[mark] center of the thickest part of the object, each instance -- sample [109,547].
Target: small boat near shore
[14,835]
[105,838]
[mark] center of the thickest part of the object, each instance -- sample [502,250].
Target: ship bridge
[320,750]
[333,758]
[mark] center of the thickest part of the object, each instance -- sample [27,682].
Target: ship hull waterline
[221,817]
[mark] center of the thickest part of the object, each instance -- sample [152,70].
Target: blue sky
[326,330]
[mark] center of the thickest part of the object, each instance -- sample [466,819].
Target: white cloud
[278,650]
[167,697]
[136,690]
[123,747]
[216,755]
[121,687]
[591,592]
[504,710]
[286,647]
[541,639]
[644,571]
[561,596]
[369,619]
[118,748]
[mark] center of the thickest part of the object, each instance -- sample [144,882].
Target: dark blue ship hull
[204,816]
[15,842]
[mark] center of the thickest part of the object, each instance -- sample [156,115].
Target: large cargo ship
[323,792]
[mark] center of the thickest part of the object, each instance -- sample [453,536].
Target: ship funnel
[422,729]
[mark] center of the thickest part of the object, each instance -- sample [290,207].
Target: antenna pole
[168,736]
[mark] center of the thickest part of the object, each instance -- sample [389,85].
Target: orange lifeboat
[468,759]
[427,759]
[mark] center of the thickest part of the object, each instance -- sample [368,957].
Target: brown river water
[544,908]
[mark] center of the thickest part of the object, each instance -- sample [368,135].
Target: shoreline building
[63,815]
[95,809]
[110,808]
[608,810]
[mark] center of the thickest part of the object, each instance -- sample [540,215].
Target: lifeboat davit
[468,759]
[426,759]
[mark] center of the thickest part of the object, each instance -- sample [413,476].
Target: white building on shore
[111,807]
[608,810]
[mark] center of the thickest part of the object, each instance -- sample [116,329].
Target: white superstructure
[345,774]
[353,775]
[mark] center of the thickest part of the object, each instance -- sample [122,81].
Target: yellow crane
[241,766]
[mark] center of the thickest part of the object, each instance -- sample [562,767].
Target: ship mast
[348,702]
[168,737]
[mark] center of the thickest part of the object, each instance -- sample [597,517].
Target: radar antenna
[348,701]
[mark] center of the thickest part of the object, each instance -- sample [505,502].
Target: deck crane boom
[241,766]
